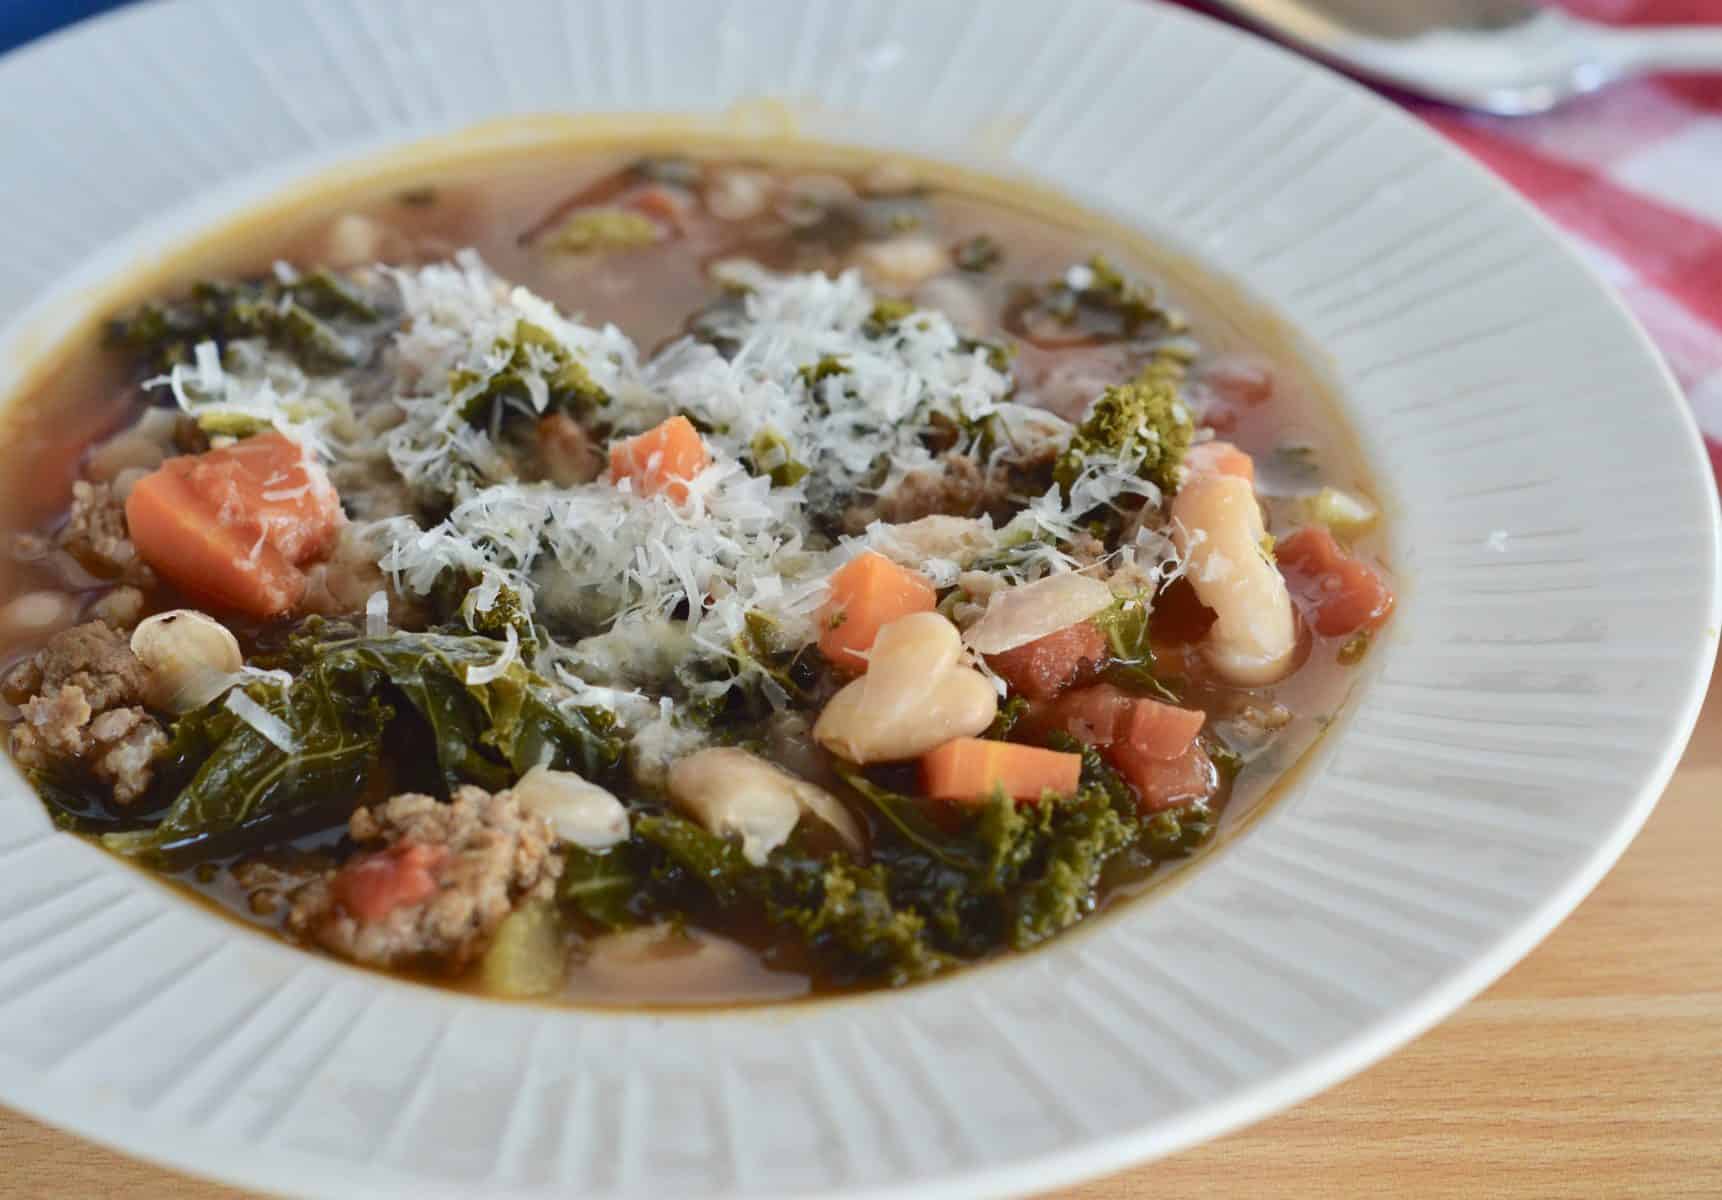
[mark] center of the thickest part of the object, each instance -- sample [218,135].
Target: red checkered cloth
[1633,175]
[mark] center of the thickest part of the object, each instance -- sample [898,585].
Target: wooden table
[1593,1069]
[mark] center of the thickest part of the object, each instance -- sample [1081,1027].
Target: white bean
[1217,525]
[126,450]
[37,613]
[736,794]
[737,194]
[917,694]
[906,261]
[354,240]
[190,657]
[579,811]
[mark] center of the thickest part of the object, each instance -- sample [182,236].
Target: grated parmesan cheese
[377,613]
[812,376]
[272,727]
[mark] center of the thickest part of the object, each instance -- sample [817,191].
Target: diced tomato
[1163,783]
[867,593]
[1043,668]
[662,459]
[1093,716]
[1105,716]
[968,770]
[1337,593]
[233,525]
[372,887]
[1162,731]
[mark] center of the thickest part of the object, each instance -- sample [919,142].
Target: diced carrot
[232,526]
[372,887]
[1047,666]
[1339,594]
[1105,716]
[1220,458]
[966,770]
[1163,783]
[868,593]
[662,459]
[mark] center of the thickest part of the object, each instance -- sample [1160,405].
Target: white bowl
[1555,527]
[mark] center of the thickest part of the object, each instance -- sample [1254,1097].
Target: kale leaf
[489,733]
[319,320]
[247,787]
[231,784]
[532,352]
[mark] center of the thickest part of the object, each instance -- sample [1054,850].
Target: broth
[1012,277]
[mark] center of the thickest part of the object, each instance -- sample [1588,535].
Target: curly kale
[235,785]
[1144,420]
[1130,650]
[841,909]
[506,611]
[533,351]
[770,454]
[319,320]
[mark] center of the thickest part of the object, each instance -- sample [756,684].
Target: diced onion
[262,720]
[1020,615]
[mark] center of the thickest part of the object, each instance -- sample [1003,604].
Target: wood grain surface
[1593,1069]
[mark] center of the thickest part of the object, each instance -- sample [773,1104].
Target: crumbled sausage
[957,486]
[92,657]
[96,535]
[85,686]
[436,880]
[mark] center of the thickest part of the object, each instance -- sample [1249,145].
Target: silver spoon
[1501,56]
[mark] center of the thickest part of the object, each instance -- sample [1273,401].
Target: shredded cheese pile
[668,582]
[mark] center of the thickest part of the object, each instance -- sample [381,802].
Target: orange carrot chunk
[1338,594]
[1220,458]
[867,593]
[662,459]
[232,526]
[969,770]
[1043,668]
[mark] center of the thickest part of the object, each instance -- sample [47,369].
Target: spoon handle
[1669,48]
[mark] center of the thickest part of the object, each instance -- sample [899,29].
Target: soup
[656,579]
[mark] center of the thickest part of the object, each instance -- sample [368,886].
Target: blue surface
[23,20]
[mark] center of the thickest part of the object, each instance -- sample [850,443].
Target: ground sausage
[95,534]
[85,707]
[432,880]
[957,486]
